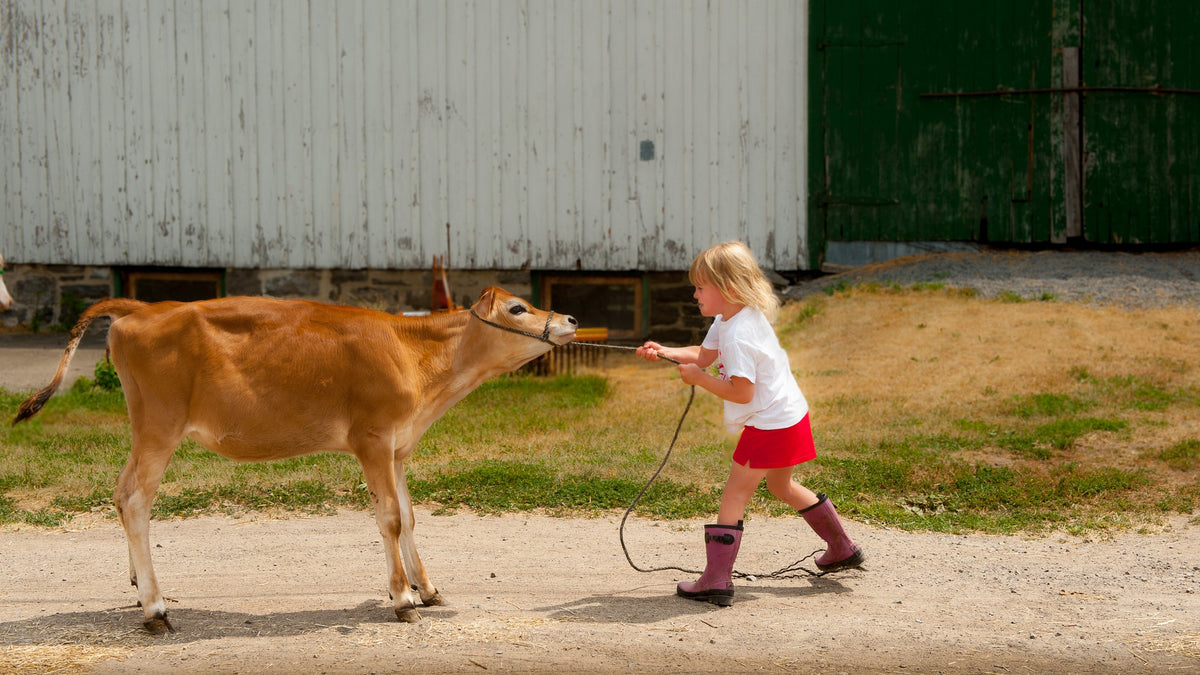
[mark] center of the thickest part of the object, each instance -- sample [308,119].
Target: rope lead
[783,573]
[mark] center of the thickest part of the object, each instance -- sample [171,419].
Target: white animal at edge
[6,300]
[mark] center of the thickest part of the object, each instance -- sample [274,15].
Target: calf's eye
[517,309]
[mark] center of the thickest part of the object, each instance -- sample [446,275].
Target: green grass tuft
[1183,456]
[496,486]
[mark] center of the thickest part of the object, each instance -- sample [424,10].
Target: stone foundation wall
[391,291]
[51,297]
[674,319]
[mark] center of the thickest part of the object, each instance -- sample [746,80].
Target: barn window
[615,302]
[158,284]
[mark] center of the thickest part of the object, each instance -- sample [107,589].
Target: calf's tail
[114,308]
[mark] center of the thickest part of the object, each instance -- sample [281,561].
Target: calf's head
[531,331]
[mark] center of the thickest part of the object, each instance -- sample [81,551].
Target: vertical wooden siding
[1035,121]
[892,164]
[1142,162]
[335,134]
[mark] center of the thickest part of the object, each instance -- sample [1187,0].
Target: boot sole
[855,559]
[719,598]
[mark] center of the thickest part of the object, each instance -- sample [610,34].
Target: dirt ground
[528,593]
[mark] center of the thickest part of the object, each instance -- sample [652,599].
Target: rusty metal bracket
[1156,89]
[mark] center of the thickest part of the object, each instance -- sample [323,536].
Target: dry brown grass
[58,649]
[870,359]
[55,658]
[1187,645]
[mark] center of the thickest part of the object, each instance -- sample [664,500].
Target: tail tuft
[114,308]
[33,405]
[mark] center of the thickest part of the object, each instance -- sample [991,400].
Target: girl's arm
[692,362]
[695,354]
[734,390]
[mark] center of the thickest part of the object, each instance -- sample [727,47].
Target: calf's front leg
[408,545]
[381,484]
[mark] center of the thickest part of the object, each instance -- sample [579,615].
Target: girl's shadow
[623,607]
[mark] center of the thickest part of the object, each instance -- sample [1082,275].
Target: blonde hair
[731,268]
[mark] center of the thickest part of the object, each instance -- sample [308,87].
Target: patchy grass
[933,410]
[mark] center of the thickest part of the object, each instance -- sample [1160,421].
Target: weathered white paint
[347,134]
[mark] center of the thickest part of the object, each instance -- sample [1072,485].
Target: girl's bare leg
[739,488]
[795,495]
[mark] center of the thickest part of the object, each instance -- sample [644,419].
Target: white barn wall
[347,134]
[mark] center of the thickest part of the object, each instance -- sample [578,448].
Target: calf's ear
[483,306]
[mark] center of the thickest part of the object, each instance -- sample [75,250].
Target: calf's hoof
[159,625]
[408,614]
[433,600]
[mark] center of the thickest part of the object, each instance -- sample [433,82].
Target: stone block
[242,281]
[294,284]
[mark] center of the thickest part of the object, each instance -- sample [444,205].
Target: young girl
[763,400]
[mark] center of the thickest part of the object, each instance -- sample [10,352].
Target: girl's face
[711,302]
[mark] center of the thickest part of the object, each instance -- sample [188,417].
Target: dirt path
[541,594]
[28,360]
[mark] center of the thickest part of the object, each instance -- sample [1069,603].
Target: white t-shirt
[747,346]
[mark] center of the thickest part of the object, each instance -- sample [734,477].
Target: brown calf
[256,379]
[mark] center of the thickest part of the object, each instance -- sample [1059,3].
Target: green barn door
[911,140]
[1141,146]
[1009,121]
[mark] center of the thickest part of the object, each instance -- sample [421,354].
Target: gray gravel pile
[1101,277]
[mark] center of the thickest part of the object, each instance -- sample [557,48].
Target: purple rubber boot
[721,543]
[841,551]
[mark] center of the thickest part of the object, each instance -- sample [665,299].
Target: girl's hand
[650,350]
[690,373]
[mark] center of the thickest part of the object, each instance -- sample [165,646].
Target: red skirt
[776,448]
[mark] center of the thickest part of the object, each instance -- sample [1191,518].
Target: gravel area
[1102,277]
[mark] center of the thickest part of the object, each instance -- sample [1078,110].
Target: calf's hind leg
[134,498]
